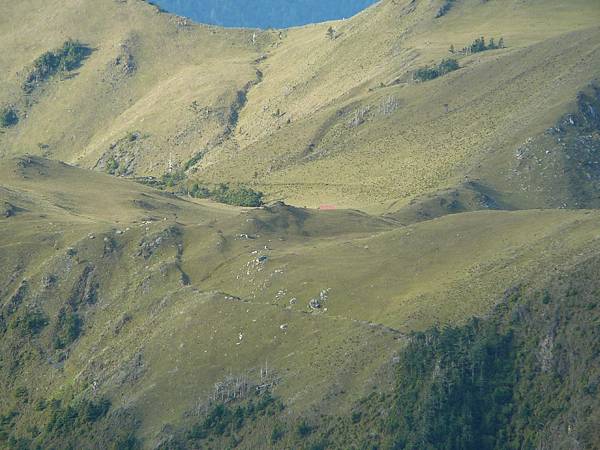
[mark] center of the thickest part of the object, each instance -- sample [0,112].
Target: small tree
[8,117]
[304,429]
[429,73]
[447,66]
[112,165]
[331,34]
[426,74]
[478,45]
[198,191]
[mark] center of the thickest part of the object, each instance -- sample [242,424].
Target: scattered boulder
[314,303]
[48,281]
[317,302]
[121,323]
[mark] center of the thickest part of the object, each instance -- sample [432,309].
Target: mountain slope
[134,317]
[301,115]
[142,299]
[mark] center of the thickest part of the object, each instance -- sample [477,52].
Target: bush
[22,394]
[447,66]
[479,45]
[224,193]
[112,165]
[195,160]
[94,411]
[128,442]
[171,179]
[68,329]
[76,414]
[8,117]
[430,73]
[197,191]
[31,323]
[426,74]
[304,429]
[65,59]
[237,196]
[444,9]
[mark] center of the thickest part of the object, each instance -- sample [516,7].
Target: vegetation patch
[480,45]
[430,73]
[65,59]
[456,388]
[225,419]
[173,179]
[67,329]
[30,323]
[8,117]
[194,160]
[230,195]
[112,166]
[67,419]
[445,8]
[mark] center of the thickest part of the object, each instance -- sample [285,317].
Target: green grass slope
[131,317]
[303,115]
[116,292]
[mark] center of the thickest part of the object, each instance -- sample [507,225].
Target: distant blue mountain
[263,13]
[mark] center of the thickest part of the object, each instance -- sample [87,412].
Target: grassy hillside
[137,317]
[304,115]
[141,299]
[507,380]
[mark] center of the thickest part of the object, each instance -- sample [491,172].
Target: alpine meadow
[376,232]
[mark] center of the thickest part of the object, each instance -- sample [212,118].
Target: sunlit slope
[170,83]
[174,296]
[306,115]
[344,122]
[154,338]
